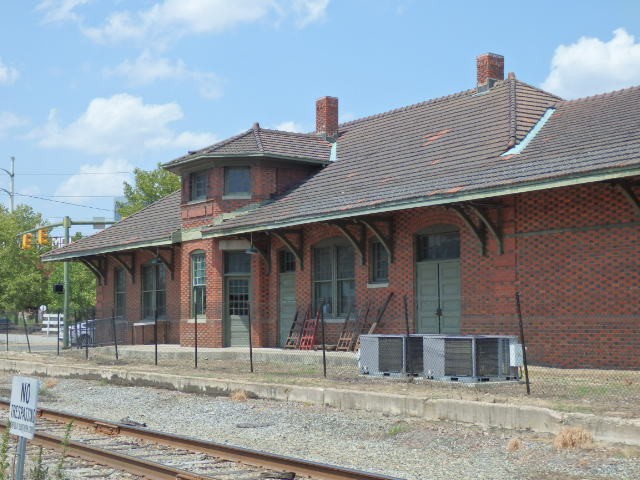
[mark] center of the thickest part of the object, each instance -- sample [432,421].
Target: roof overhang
[70,256]
[198,160]
[435,200]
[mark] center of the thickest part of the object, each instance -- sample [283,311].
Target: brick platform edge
[516,417]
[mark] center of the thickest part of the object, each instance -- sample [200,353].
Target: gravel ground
[407,448]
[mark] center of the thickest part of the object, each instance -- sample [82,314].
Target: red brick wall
[133,309]
[572,253]
[579,289]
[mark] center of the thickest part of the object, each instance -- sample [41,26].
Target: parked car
[81,334]
[5,324]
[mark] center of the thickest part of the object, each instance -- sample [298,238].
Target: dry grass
[51,382]
[514,445]
[239,396]
[573,438]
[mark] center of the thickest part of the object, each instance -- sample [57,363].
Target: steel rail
[134,465]
[257,458]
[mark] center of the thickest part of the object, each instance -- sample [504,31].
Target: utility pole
[66,223]
[12,175]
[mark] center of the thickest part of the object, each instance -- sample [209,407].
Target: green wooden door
[287,304]
[438,292]
[237,311]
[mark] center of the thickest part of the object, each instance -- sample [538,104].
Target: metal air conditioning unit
[390,355]
[469,358]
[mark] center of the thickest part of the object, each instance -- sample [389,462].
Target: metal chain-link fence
[348,350]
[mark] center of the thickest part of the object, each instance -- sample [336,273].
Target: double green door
[438,297]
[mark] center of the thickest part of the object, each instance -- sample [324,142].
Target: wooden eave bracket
[263,251]
[627,191]
[373,223]
[493,229]
[358,240]
[168,262]
[98,266]
[129,267]
[478,232]
[297,251]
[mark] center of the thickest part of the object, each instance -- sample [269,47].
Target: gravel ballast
[407,448]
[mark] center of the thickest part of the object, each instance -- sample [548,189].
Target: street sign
[24,404]
[43,308]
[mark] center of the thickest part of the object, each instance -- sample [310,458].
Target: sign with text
[24,405]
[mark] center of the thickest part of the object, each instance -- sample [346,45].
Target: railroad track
[158,455]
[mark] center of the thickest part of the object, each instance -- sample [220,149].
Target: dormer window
[237,182]
[197,186]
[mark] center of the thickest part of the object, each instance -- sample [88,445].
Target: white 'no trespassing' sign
[24,404]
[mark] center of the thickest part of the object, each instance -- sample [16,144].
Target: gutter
[109,249]
[208,156]
[437,201]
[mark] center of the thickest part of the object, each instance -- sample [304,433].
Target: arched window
[198,283]
[333,277]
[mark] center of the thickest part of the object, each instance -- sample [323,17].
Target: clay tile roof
[258,141]
[431,149]
[151,225]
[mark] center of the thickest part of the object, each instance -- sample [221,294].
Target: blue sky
[89,90]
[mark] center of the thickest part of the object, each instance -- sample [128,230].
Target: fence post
[86,339]
[26,331]
[324,349]
[155,333]
[58,335]
[115,334]
[524,346]
[195,326]
[250,339]
[6,331]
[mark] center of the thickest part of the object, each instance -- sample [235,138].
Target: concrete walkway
[519,417]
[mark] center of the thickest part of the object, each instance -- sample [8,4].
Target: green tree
[83,286]
[148,187]
[23,278]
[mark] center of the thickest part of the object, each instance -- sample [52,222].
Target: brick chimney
[327,117]
[490,70]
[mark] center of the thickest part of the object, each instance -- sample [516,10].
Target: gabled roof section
[596,133]
[262,142]
[449,150]
[151,226]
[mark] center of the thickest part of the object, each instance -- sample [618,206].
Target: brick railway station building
[455,204]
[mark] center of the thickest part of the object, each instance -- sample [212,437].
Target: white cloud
[592,66]
[8,75]
[59,10]
[176,18]
[309,11]
[121,123]
[10,120]
[290,126]
[101,179]
[147,69]
[170,19]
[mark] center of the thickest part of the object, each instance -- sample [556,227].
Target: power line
[73,174]
[66,203]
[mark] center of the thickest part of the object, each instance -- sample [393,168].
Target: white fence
[51,323]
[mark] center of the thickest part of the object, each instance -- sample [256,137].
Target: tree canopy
[149,186]
[26,282]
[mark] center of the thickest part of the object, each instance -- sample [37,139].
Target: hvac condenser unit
[472,358]
[390,355]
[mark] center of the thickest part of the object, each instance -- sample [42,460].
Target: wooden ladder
[295,333]
[350,330]
[310,332]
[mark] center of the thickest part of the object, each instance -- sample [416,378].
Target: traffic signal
[43,237]
[27,241]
